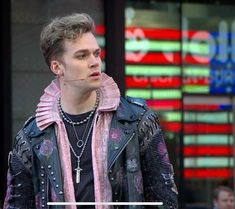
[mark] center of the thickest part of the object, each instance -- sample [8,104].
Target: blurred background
[178,55]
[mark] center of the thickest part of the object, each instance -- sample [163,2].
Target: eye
[82,56]
[97,53]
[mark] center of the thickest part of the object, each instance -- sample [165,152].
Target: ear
[56,67]
[215,204]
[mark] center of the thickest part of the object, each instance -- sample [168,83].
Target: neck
[79,103]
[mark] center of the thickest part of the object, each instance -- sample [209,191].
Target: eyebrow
[86,51]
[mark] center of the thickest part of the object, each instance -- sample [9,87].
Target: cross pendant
[78,171]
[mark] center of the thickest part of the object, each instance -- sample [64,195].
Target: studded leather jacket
[138,164]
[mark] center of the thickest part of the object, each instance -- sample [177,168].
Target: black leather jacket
[138,164]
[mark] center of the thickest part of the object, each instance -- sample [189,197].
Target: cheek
[77,67]
[100,61]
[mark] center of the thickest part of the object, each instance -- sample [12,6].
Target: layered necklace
[68,120]
[81,143]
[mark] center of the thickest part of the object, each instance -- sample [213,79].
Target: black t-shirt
[84,191]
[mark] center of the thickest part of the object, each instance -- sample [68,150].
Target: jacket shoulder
[131,108]
[29,120]
[136,101]
[136,104]
[147,117]
[31,129]
[22,150]
[140,108]
[22,134]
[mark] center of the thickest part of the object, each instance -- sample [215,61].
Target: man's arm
[19,179]
[157,171]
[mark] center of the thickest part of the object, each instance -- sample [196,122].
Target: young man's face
[81,62]
[225,201]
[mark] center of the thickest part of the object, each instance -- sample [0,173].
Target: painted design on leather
[121,111]
[9,189]
[132,164]
[46,148]
[120,174]
[38,201]
[54,197]
[115,134]
[161,147]
[138,182]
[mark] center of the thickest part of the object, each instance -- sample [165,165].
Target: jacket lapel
[46,149]
[120,132]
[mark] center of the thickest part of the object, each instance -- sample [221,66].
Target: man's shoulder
[136,101]
[30,125]
[22,146]
[29,121]
[140,108]
[30,128]
[23,133]
[133,108]
[135,104]
[30,131]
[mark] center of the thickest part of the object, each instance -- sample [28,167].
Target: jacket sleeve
[157,171]
[19,178]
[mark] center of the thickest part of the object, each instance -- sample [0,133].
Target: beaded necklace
[80,142]
[68,120]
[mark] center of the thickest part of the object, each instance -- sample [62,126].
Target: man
[86,143]
[223,198]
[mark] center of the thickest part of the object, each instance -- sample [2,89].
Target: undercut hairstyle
[220,189]
[55,33]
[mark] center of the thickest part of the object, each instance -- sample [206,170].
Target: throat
[76,106]
[66,116]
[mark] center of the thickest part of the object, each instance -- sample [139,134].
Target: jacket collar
[124,112]
[110,94]
[120,135]
[47,109]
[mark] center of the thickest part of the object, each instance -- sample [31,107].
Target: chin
[96,85]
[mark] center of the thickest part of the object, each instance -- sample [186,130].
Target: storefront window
[208,87]
[153,65]
[180,58]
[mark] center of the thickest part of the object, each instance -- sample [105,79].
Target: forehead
[225,194]
[85,41]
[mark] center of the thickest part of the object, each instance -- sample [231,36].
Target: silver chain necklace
[68,120]
[78,169]
[80,143]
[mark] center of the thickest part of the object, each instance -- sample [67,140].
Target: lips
[95,74]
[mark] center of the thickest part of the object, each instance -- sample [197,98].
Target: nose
[94,62]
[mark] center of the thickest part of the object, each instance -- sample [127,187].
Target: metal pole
[115,41]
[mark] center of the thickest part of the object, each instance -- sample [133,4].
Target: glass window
[180,58]
[153,65]
[208,85]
